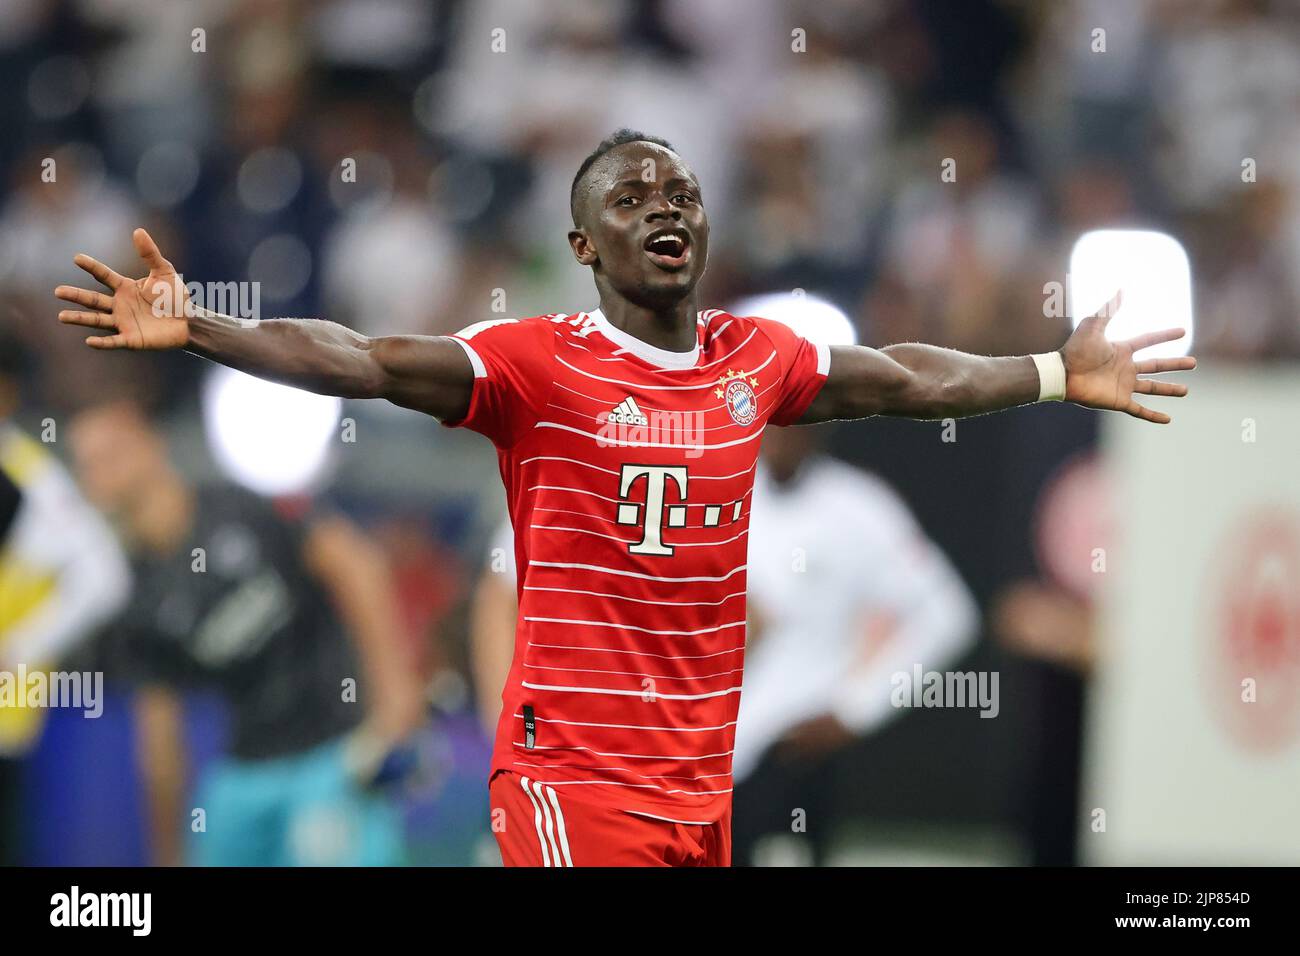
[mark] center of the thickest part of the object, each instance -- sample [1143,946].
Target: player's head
[119,456]
[639,220]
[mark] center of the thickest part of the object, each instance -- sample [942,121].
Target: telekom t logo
[652,526]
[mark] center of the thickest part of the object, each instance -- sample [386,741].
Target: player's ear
[584,250]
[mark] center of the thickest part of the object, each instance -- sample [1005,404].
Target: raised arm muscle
[430,374]
[920,381]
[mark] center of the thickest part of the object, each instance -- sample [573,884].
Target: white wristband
[1051,376]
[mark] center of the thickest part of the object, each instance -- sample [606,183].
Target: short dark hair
[618,138]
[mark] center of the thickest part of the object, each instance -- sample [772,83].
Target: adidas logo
[627,413]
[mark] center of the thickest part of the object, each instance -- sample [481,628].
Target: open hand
[148,313]
[1103,374]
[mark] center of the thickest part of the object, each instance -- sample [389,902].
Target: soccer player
[627,436]
[844,591]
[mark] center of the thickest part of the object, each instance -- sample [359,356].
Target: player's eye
[628,201]
[683,197]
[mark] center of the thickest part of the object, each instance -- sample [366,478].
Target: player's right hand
[148,313]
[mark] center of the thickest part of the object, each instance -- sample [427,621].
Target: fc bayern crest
[738,392]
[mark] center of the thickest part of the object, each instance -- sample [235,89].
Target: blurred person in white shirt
[845,591]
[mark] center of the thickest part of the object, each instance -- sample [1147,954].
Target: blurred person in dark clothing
[295,624]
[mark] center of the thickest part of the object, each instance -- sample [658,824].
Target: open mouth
[668,248]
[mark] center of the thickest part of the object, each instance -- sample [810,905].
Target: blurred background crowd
[819,132]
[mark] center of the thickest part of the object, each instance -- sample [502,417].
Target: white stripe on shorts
[537,821]
[550,825]
[559,820]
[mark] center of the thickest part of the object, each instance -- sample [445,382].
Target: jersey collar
[663,358]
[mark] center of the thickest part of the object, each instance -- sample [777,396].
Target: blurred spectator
[1248,269]
[391,264]
[960,229]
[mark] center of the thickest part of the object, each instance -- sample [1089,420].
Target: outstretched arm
[923,381]
[431,374]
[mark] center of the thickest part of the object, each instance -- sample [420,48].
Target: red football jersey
[628,471]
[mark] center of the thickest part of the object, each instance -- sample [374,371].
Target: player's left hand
[1103,374]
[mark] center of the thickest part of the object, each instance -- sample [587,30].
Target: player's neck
[672,329]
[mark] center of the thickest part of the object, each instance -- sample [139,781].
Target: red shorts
[536,826]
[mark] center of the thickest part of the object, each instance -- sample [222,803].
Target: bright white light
[815,319]
[270,438]
[1153,271]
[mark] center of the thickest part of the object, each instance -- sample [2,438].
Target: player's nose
[658,207]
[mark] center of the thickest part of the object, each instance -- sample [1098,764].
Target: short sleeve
[804,367]
[513,362]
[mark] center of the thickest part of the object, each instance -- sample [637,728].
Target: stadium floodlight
[815,319]
[1152,270]
[270,438]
